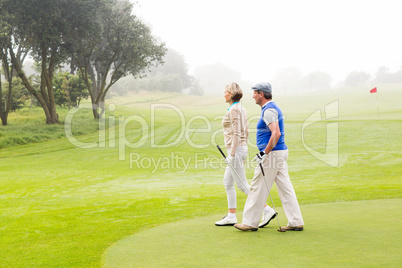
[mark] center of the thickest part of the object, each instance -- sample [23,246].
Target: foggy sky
[258,37]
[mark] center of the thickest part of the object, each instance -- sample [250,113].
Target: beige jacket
[235,127]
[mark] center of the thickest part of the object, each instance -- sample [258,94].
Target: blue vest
[264,133]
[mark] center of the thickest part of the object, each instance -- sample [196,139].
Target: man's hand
[229,159]
[260,157]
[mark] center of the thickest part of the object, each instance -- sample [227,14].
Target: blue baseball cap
[264,87]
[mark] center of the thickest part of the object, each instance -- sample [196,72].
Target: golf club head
[282,231]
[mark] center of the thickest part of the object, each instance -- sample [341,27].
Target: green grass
[28,126]
[335,239]
[64,206]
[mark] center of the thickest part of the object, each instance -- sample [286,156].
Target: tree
[9,74]
[356,78]
[316,81]
[19,93]
[383,75]
[101,37]
[6,48]
[397,76]
[195,88]
[214,77]
[174,63]
[42,25]
[115,44]
[288,80]
[165,82]
[4,39]
[172,76]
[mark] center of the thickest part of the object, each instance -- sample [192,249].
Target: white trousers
[275,169]
[230,178]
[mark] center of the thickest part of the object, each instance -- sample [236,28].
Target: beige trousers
[275,169]
[230,177]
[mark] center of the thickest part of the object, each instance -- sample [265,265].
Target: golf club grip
[220,150]
[262,170]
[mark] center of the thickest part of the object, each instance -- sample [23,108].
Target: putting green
[361,233]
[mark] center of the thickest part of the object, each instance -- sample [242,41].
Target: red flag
[374,90]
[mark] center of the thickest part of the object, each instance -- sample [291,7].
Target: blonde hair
[235,90]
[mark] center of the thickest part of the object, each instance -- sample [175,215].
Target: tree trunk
[10,92]
[88,73]
[4,119]
[95,107]
[1,105]
[43,100]
[8,73]
[5,111]
[102,104]
[48,84]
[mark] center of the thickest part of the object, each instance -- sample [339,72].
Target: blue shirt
[264,133]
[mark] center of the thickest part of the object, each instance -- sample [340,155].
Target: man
[274,152]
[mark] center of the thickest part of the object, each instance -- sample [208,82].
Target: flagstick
[378,108]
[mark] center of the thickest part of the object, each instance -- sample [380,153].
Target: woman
[235,132]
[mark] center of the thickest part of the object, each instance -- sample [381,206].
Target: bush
[19,94]
[69,89]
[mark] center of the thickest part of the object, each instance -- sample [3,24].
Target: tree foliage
[213,78]
[357,78]
[383,75]
[40,26]
[19,95]
[288,80]
[115,44]
[100,37]
[172,76]
[174,63]
[69,89]
[316,81]
[7,47]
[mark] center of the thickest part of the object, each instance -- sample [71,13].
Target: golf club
[237,174]
[263,174]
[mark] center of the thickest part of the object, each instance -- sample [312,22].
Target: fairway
[336,234]
[125,125]
[62,205]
